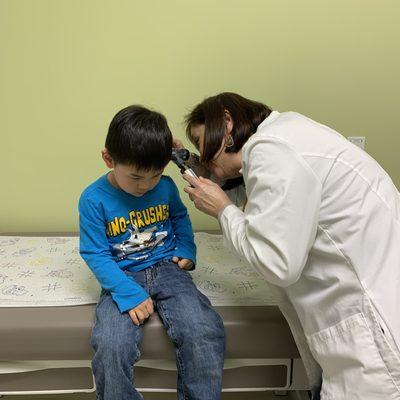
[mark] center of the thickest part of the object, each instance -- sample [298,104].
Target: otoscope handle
[189,172]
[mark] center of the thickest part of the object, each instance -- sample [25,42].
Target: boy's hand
[183,263]
[142,311]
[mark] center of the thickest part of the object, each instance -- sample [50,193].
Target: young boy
[136,237]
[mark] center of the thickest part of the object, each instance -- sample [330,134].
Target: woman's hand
[206,195]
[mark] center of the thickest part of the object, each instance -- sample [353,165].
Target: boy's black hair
[140,137]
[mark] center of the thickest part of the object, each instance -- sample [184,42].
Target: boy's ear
[107,158]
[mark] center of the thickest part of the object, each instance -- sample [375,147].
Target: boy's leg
[196,330]
[115,340]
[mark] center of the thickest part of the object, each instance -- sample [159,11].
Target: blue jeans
[193,325]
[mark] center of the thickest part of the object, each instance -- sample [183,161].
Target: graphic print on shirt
[140,242]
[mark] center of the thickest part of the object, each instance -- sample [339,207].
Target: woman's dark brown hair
[246,116]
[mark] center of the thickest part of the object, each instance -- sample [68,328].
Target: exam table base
[279,375]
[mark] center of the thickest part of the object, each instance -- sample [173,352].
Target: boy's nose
[144,188]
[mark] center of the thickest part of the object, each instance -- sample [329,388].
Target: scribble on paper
[45,271]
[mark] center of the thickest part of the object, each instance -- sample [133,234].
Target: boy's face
[129,178]
[133,181]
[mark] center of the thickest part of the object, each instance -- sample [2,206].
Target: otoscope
[179,157]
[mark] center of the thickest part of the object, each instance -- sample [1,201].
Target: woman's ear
[107,158]
[228,123]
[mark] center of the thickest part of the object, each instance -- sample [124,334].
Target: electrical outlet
[359,141]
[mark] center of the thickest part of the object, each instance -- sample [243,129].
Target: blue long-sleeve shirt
[120,232]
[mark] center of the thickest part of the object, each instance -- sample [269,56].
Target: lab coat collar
[271,118]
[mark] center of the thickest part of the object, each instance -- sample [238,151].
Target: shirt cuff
[229,209]
[228,219]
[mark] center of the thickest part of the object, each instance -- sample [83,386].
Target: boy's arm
[185,246]
[95,250]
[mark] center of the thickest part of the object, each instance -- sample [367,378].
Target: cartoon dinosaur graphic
[139,242]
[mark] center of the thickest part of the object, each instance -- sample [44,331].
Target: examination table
[47,350]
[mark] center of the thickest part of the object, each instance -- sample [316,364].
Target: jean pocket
[186,272]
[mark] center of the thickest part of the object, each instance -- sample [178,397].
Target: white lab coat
[322,221]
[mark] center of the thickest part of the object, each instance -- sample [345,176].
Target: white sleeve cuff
[226,211]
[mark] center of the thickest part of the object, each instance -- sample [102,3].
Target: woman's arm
[279,225]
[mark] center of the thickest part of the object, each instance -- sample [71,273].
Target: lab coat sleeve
[278,227]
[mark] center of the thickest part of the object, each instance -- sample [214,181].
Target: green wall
[68,65]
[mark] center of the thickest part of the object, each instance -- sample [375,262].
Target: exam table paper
[48,271]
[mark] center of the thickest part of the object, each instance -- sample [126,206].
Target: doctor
[319,218]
